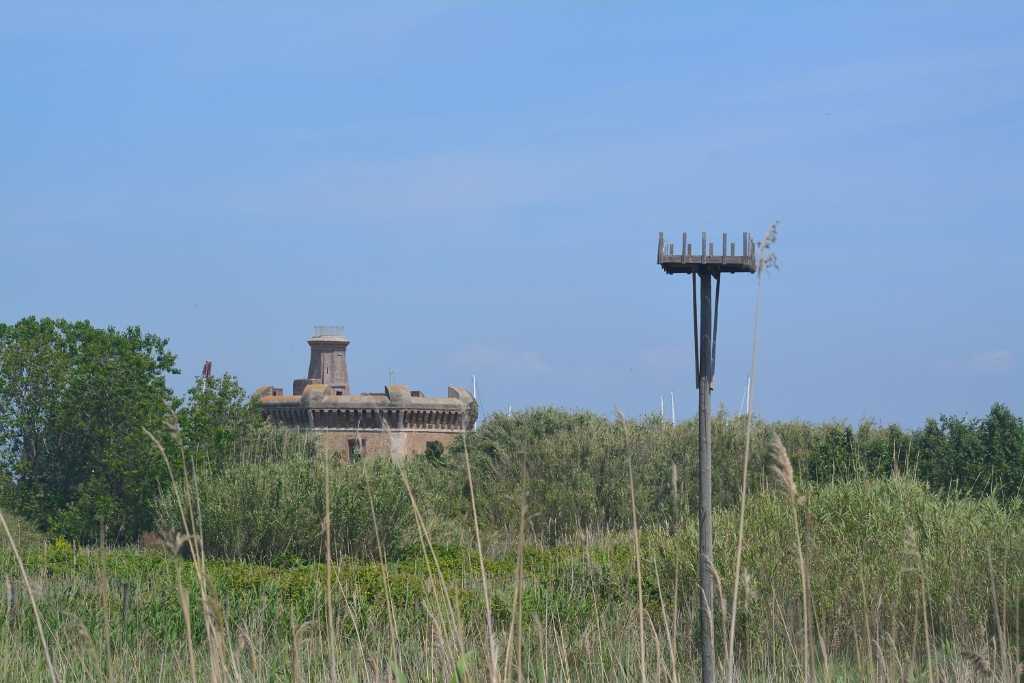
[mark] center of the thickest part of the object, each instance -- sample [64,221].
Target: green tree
[1002,434]
[216,418]
[974,456]
[74,400]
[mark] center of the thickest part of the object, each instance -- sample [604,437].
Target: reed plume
[782,468]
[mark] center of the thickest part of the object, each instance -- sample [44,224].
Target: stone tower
[398,422]
[327,364]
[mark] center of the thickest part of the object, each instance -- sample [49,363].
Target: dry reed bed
[883,558]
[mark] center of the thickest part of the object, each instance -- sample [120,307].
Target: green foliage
[868,540]
[6,492]
[25,536]
[835,451]
[434,452]
[880,535]
[973,456]
[572,469]
[958,455]
[216,418]
[870,546]
[74,400]
[500,434]
[271,509]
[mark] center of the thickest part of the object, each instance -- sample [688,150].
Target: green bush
[870,545]
[217,420]
[573,471]
[271,510]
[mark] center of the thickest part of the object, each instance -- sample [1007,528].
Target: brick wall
[376,444]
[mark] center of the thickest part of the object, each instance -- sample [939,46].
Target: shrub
[271,510]
[573,470]
[217,418]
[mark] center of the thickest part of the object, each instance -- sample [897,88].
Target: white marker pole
[662,407]
[475,399]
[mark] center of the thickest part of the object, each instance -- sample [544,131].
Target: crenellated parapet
[399,420]
[396,409]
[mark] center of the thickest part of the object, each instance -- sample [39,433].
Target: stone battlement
[398,422]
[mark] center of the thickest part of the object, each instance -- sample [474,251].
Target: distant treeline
[573,468]
[82,410]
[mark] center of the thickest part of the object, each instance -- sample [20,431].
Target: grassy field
[901,584]
[544,545]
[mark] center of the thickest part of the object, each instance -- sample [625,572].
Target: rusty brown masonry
[398,422]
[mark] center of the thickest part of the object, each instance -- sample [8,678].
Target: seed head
[782,468]
[980,663]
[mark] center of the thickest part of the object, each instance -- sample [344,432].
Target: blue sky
[478,188]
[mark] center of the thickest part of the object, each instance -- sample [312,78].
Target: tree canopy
[215,418]
[74,400]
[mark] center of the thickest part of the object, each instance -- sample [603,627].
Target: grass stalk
[783,470]
[636,551]
[32,600]
[515,628]
[731,654]
[382,558]
[332,641]
[492,650]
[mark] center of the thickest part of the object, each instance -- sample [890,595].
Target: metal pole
[696,338]
[705,334]
[704,424]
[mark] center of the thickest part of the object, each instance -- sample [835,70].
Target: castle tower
[399,422]
[327,364]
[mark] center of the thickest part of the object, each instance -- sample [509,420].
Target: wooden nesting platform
[707,261]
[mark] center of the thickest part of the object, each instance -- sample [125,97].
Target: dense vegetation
[74,401]
[546,544]
[882,556]
[570,470]
[80,408]
[269,507]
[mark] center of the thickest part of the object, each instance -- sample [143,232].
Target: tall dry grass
[568,612]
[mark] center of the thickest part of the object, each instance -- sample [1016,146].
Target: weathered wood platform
[707,261]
